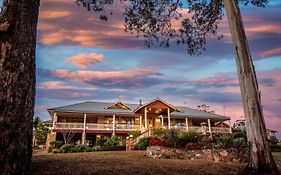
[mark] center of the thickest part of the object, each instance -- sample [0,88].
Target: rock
[197,155]
[216,159]
[223,153]
[210,158]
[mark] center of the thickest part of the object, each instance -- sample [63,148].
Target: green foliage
[67,148]
[112,141]
[206,143]
[100,142]
[55,145]
[135,134]
[240,134]
[143,143]
[224,141]
[172,138]
[239,142]
[81,148]
[275,148]
[41,132]
[158,132]
[36,121]
[56,151]
[188,137]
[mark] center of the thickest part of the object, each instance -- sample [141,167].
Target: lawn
[135,162]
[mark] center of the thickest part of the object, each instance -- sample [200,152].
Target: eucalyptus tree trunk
[18,24]
[260,157]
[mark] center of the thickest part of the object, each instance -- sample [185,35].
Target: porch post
[140,123]
[145,118]
[84,130]
[230,130]
[113,125]
[186,124]
[209,125]
[55,118]
[169,119]
[162,121]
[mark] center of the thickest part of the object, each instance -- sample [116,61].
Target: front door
[150,122]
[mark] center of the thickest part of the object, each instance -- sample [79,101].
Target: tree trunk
[18,24]
[260,157]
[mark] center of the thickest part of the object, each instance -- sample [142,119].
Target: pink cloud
[84,60]
[271,52]
[61,85]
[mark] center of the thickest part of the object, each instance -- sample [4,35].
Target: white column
[145,118]
[186,123]
[55,118]
[169,119]
[230,130]
[162,121]
[84,130]
[113,125]
[140,123]
[209,125]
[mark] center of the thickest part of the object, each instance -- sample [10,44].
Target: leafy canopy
[186,22]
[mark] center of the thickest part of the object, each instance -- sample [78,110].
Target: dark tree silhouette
[18,23]
[165,21]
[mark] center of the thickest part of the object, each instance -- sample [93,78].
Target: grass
[135,162]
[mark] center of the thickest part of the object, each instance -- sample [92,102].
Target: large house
[93,120]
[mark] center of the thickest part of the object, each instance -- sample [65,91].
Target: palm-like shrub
[112,141]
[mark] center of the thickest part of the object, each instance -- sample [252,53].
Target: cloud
[136,78]
[61,85]
[84,60]
[53,14]
[216,81]
[270,53]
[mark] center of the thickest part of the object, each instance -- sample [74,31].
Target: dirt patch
[135,162]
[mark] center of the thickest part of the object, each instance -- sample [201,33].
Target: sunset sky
[81,58]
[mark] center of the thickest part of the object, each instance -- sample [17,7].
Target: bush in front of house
[82,148]
[188,137]
[143,143]
[206,142]
[55,150]
[224,141]
[67,148]
[112,141]
[55,145]
[239,142]
[100,142]
[157,142]
[172,138]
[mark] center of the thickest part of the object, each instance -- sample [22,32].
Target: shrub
[239,142]
[275,148]
[67,148]
[240,134]
[206,143]
[135,134]
[192,146]
[143,143]
[55,150]
[100,142]
[55,145]
[112,141]
[224,141]
[160,132]
[81,148]
[188,137]
[172,138]
[157,142]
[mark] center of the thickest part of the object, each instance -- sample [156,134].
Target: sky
[81,58]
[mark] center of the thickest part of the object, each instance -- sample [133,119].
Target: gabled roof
[155,100]
[119,105]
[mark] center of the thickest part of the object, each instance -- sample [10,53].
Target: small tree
[67,136]
[41,132]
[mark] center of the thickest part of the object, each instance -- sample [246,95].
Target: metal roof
[102,108]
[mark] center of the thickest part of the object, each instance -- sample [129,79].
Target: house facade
[93,120]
